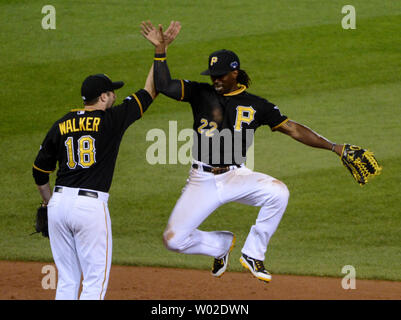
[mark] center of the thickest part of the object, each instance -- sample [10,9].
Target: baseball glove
[41,221]
[360,162]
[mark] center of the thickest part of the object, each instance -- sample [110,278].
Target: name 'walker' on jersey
[86,143]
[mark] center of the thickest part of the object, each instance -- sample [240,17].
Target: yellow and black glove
[360,162]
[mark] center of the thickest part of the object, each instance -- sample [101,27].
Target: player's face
[226,83]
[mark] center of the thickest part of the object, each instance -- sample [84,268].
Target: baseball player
[85,144]
[218,174]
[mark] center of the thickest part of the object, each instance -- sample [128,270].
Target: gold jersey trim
[41,170]
[182,90]
[242,88]
[88,110]
[139,103]
[280,124]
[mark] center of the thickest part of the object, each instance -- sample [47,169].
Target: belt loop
[86,193]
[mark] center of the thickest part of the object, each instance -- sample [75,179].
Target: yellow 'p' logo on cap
[213,61]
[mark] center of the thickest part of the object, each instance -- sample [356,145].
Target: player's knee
[176,242]
[170,241]
[172,244]
[281,192]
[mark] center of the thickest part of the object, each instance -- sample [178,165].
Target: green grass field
[344,84]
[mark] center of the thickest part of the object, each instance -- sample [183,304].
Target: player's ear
[103,97]
[234,74]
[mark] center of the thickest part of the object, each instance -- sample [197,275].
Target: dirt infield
[23,281]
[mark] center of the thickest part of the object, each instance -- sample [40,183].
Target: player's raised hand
[172,32]
[156,36]
[153,35]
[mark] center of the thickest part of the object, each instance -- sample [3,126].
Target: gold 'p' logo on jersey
[244,115]
[213,61]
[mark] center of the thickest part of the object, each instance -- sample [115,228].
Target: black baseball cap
[94,85]
[222,62]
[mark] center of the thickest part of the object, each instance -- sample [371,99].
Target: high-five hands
[157,37]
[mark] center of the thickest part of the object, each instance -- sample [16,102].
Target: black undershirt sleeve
[163,82]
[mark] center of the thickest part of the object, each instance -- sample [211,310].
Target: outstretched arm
[162,78]
[150,84]
[360,162]
[307,136]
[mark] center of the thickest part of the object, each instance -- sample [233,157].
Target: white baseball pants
[205,192]
[81,243]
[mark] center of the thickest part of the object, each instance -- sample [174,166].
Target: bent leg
[196,203]
[261,190]
[268,219]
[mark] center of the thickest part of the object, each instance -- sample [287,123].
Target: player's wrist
[161,55]
[337,148]
[160,49]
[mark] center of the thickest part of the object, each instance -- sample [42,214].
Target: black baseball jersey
[224,125]
[86,143]
[227,122]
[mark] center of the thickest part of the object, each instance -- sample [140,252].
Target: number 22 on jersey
[209,132]
[85,154]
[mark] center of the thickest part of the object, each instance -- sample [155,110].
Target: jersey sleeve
[180,90]
[46,159]
[270,115]
[132,109]
[189,90]
[183,90]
